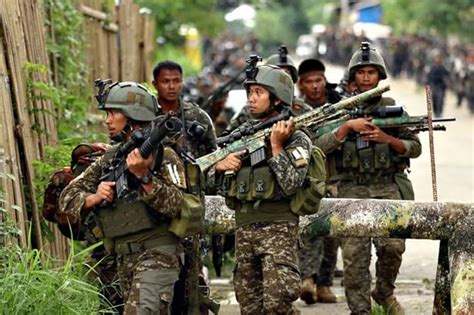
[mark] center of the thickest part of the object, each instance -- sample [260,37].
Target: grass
[31,284]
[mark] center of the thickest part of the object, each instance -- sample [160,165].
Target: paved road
[454,154]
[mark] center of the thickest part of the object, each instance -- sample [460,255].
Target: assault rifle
[255,143]
[414,123]
[146,141]
[220,91]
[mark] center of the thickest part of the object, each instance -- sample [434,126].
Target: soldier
[148,255]
[319,256]
[368,162]
[437,78]
[266,275]
[197,138]
[284,61]
[313,85]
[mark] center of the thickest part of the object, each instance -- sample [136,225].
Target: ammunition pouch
[375,164]
[250,184]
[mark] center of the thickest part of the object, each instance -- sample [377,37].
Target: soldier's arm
[73,198]
[290,166]
[411,142]
[327,142]
[165,195]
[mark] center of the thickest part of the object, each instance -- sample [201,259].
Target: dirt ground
[454,155]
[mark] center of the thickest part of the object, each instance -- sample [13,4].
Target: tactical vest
[127,227]
[254,194]
[367,162]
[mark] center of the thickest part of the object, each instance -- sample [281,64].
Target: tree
[170,15]
[444,17]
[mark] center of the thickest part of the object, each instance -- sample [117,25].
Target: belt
[364,179]
[127,248]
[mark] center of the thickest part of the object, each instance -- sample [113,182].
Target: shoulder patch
[299,155]
[173,168]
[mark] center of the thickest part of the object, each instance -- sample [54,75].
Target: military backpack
[82,156]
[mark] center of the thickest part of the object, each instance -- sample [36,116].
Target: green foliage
[170,15]
[8,230]
[32,285]
[176,54]
[454,17]
[280,24]
[71,94]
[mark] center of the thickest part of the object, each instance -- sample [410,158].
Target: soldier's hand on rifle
[105,191]
[360,124]
[232,162]
[376,134]
[137,165]
[281,131]
[353,125]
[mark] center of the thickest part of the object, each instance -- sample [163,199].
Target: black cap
[309,65]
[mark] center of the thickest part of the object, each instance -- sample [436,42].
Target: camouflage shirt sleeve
[73,197]
[411,142]
[166,197]
[327,142]
[291,166]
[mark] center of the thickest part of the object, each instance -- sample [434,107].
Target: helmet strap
[269,110]
[122,135]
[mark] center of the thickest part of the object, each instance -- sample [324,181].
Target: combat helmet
[273,78]
[367,56]
[132,99]
[282,59]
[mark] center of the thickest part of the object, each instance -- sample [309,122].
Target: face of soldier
[313,86]
[367,78]
[168,84]
[115,122]
[258,99]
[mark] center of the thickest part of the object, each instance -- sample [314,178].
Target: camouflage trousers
[266,276]
[147,279]
[356,253]
[318,258]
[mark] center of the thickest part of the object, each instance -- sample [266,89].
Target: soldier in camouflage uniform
[298,106]
[266,275]
[368,162]
[318,257]
[148,255]
[197,138]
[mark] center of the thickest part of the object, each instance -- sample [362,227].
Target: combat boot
[389,304]
[325,295]
[308,291]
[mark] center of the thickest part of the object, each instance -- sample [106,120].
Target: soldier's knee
[282,283]
[155,290]
[392,249]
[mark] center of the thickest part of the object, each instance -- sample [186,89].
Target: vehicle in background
[306,46]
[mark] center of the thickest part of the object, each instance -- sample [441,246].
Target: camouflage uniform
[370,176]
[149,264]
[196,144]
[266,275]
